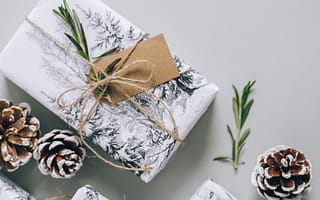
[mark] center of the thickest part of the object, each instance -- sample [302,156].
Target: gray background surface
[230,41]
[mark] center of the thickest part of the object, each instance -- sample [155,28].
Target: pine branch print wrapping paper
[87,192]
[11,191]
[209,190]
[45,70]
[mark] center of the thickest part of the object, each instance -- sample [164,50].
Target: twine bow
[112,80]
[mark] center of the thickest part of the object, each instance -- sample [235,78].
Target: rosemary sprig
[241,108]
[96,77]
[78,39]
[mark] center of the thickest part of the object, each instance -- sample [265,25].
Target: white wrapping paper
[209,190]
[88,192]
[11,191]
[44,70]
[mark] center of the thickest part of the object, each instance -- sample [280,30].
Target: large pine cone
[282,173]
[18,134]
[59,153]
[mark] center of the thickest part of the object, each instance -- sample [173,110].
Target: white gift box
[44,70]
[11,191]
[209,190]
[88,192]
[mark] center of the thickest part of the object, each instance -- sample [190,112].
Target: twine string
[109,79]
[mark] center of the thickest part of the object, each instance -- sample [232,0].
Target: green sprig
[241,108]
[78,39]
[96,77]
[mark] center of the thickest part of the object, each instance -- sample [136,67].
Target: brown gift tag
[154,50]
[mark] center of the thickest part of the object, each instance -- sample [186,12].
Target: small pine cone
[59,153]
[282,173]
[19,132]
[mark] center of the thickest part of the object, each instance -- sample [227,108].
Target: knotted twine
[110,80]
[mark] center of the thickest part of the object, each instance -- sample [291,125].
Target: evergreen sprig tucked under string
[78,37]
[79,41]
[99,81]
[241,106]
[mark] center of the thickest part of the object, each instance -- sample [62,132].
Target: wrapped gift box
[11,191]
[44,70]
[88,192]
[209,190]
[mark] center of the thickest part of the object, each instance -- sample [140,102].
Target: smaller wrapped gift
[209,190]
[11,191]
[36,61]
[88,192]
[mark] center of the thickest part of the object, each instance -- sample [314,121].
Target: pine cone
[282,173]
[18,134]
[59,153]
